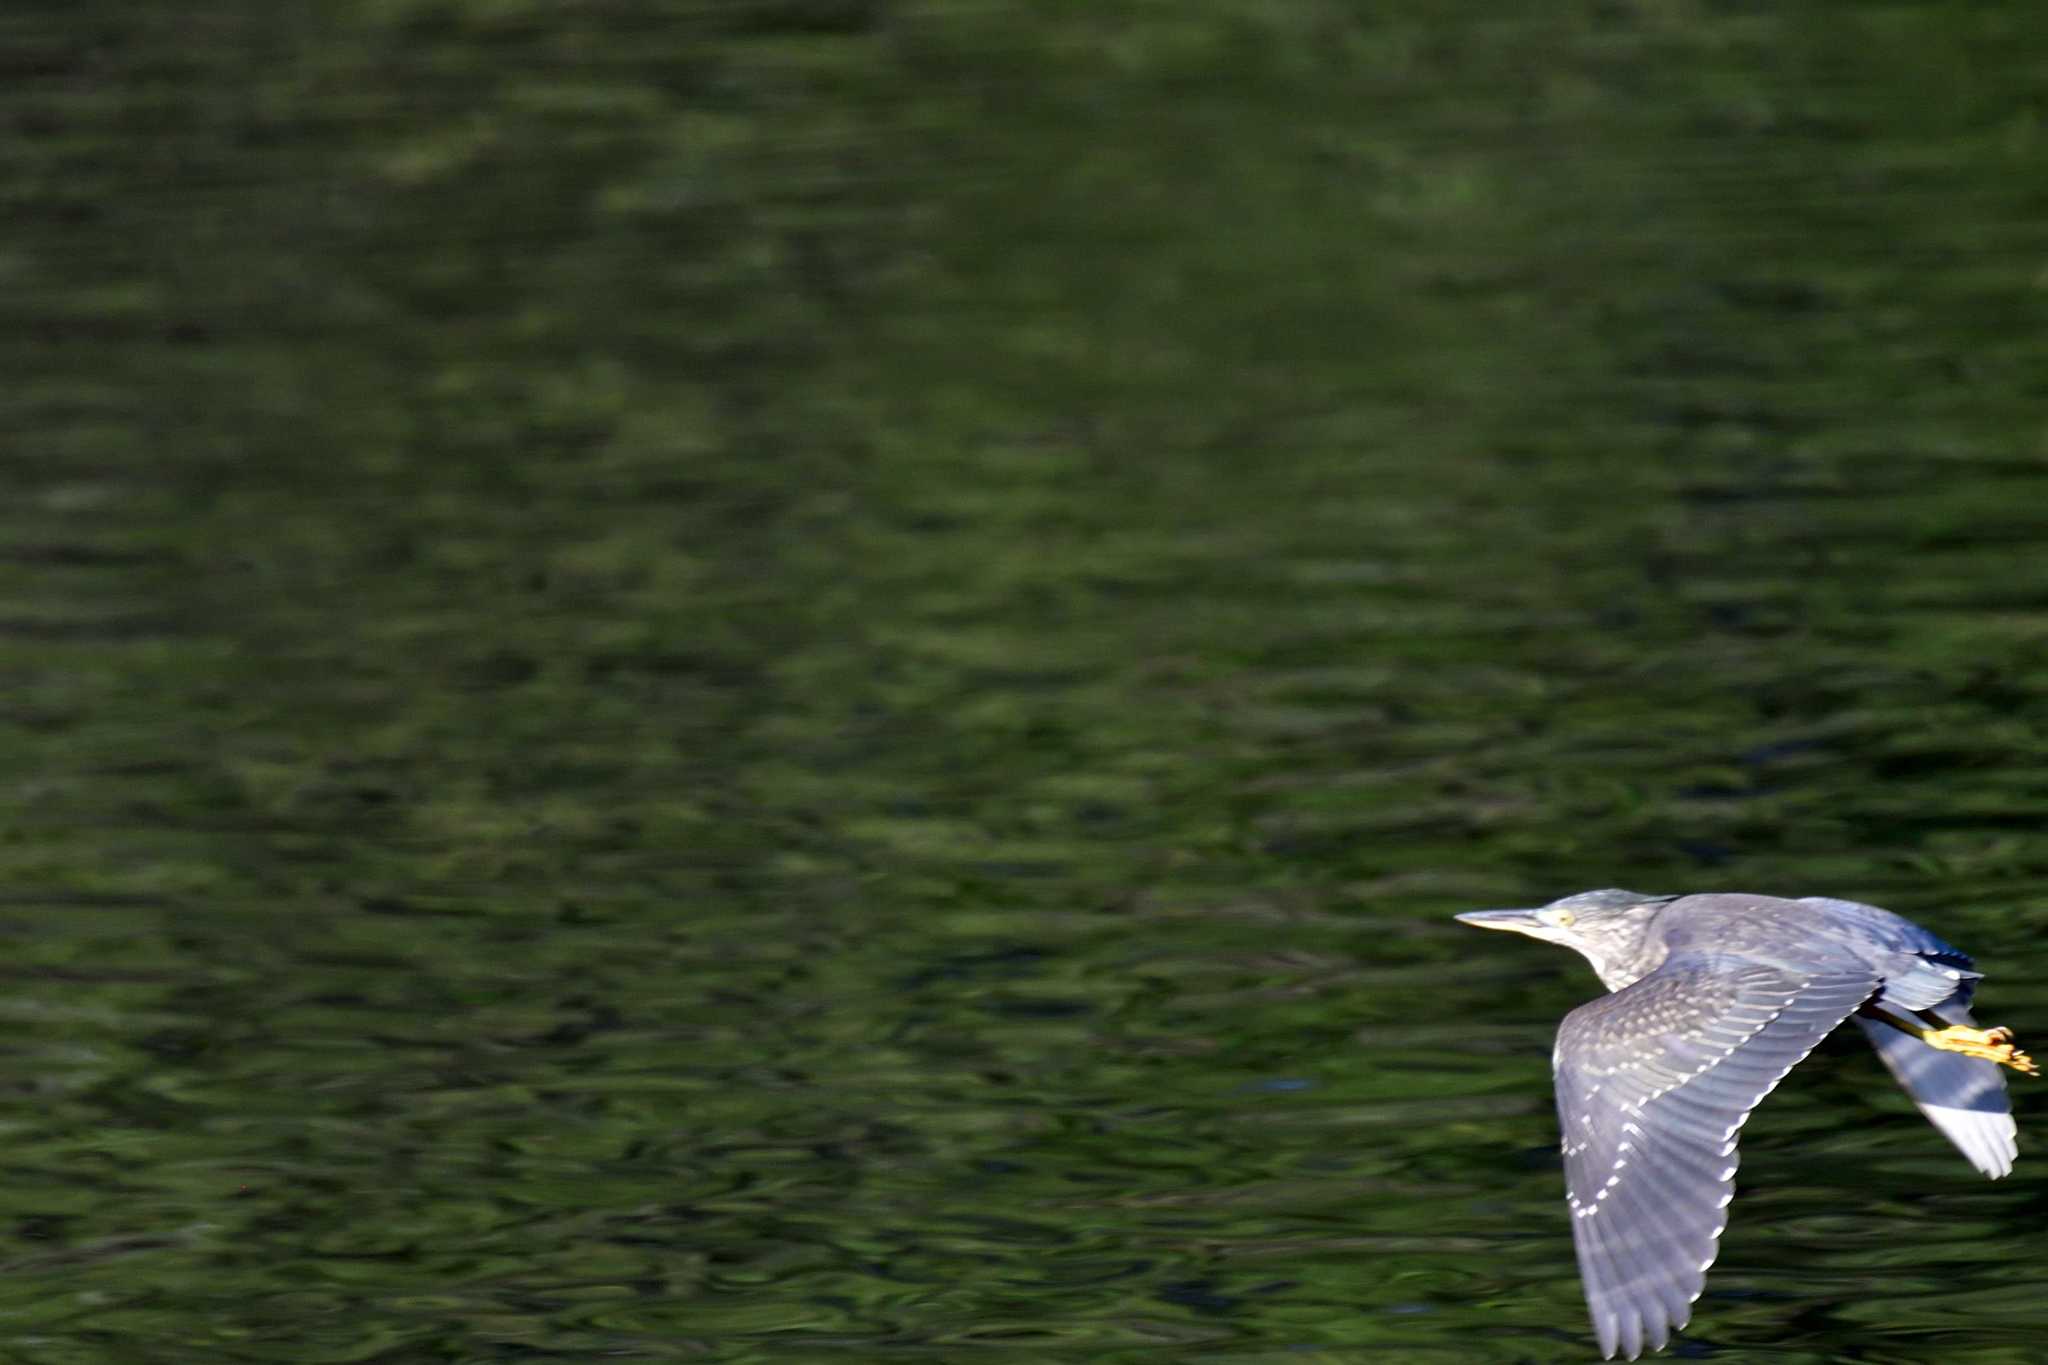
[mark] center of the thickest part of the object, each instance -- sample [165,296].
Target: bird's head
[1608,927]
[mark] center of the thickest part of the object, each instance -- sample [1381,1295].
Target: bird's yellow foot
[1993,1045]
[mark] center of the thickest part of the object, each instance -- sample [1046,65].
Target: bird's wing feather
[1894,931]
[1653,1084]
[1962,1096]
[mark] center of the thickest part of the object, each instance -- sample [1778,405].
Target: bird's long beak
[1520,921]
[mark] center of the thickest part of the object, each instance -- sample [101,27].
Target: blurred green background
[808,680]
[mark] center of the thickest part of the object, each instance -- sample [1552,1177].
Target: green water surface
[809,680]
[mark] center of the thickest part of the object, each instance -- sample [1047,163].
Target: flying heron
[1714,999]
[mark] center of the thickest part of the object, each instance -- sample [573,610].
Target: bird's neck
[1626,972]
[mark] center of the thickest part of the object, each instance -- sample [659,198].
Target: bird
[1713,999]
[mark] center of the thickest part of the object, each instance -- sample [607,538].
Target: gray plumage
[1714,999]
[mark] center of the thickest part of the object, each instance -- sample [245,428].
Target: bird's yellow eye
[1557,919]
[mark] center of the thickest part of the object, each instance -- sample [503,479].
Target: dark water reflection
[771,681]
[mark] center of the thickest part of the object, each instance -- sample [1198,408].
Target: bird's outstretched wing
[1653,1084]
[1962,1096]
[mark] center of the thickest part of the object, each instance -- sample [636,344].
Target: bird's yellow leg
[1992,1044]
